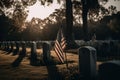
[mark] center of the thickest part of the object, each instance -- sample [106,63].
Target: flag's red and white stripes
[60,45]
[63,43]
[59,51]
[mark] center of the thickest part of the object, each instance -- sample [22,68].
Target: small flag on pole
[60,44]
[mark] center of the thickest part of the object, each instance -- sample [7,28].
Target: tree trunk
[85,25]
[69,26]
[69,20]
[87,5]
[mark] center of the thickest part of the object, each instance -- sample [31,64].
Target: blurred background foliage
[104,22]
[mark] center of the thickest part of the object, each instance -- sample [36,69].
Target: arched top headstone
[87,49]
[111,63]
[87,62]
[23,42]
[110,70]
[33,46]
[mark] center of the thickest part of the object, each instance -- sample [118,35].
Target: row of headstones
[105,49]
[9,47]
[11,44]
[86,55]
[87,63]
[27,43]
[108,70]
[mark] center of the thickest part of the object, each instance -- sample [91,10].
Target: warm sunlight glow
[40,11]
[114,3]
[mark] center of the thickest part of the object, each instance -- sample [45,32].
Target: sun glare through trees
[42,11]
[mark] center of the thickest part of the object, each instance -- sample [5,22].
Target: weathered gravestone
[11,46]
[4,46]
[1,45]
[46,53]
[17,45]
[87,62]
[23,51]
[33,57]
[110,70]
[39,44]
[8,46]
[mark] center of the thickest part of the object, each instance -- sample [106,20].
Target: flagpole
[63,49]
[66,60]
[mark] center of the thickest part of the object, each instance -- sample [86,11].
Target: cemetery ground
[27,72]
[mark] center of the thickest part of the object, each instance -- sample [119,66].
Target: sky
[114,3]
[39,11]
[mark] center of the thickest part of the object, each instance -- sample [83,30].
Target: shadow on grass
[53,72]
[19,59]
[40,61]
[15,52]
[17,62]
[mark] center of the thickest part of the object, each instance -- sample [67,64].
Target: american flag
[60,44]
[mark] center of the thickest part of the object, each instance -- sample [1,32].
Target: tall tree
[69,26]
[87,5]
